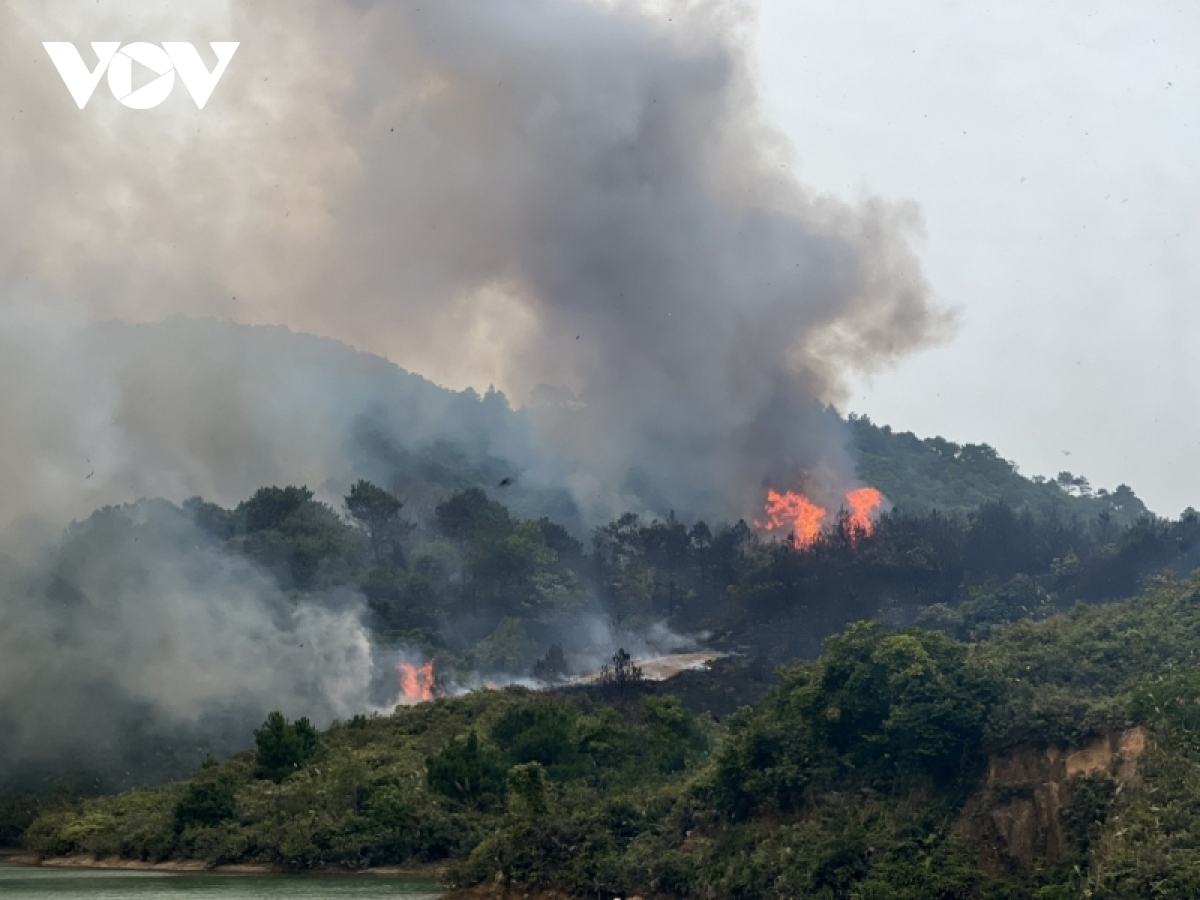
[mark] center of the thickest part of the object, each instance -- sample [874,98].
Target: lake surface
[25,883]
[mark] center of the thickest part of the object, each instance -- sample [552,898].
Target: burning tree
[416,682]
[793,513]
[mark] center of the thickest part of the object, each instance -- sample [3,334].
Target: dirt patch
[660,668]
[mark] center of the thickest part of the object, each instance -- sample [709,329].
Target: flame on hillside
[416,683]
[793,513]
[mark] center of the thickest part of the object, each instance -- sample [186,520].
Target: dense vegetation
[851,779]
[984,615]
[457,578]
[920,475]
[488,593]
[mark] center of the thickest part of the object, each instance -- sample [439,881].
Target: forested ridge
[989,620]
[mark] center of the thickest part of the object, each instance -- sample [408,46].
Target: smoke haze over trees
[577,195]
[578,202]
[155,634]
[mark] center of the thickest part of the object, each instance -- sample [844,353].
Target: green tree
[283,747]
[470,514]
[875,707]
[378,512]
[541,733]
[527,791]
[206,801]
[906,700]
[269,507]
[466,769]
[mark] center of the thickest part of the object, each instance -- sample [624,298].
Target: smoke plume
[136,646]
[573,194]
[578,201]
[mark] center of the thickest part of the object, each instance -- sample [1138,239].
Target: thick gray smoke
[575,200]
[136,646]
[582,195]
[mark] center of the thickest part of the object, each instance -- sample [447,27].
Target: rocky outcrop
[1016,817]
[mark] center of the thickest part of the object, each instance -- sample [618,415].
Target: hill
[305,594]
[290,601]
[220,409]
[1058,758]
[223,409]
[920,475]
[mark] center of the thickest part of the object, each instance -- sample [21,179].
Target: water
[24,883]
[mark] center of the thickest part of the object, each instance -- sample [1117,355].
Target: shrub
[540,733]
[875,706]
[467,770]
[206,802]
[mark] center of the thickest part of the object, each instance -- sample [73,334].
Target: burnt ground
[720,689]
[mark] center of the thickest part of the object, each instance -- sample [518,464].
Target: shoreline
[199,867]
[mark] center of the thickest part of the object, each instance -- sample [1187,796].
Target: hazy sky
[1053,150]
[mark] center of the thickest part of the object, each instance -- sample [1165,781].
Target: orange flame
[864,504]
[796,513]
[416,683]
[792,511]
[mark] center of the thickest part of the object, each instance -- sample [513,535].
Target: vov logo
[117,60]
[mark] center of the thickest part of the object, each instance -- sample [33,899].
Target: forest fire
[864,504]
[416,682]
[793,512]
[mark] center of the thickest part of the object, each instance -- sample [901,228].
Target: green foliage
[378,512]
[509,568]
[543,733]
[846,781]
[1019,599]
[1172,703]
[922,475]
[207,802]
[1078,674]
[17,813]
[1086,813]
[469,514]
[674,739]
[875,706]
[468,770]
[527,790]
[283,747]
[507,649]
[303,542]
[910,698]
[271,507]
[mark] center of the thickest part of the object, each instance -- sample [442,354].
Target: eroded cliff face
[1016,817]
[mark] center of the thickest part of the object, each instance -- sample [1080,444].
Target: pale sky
[1053,150]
